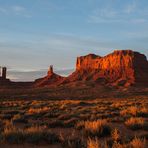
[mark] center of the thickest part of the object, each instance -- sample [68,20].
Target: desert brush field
[90,123]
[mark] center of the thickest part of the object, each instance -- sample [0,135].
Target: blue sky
[37,33]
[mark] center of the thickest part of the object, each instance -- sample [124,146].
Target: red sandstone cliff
[122,67]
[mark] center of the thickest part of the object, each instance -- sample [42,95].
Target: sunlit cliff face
[121,66]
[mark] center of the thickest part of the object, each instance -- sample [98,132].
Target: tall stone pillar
[51,68]
[50,71]
[0,71]
[4,73]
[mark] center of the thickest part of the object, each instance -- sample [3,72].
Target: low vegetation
[135,123]
[115,135]
[30,135]
[93,143]
[99,123]
[98,128]
[138,143]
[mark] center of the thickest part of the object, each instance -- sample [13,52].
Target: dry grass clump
[93,143]
[18,118]
[79,125]
[135,123]
[124,112]
[12,135]
[40,134]
[38,110]
[135,143]
[34,135]
[143,111]
[132,110]
[118,145]
[73,143]
[95,128]
[138,143]
[99,128]
[115,134]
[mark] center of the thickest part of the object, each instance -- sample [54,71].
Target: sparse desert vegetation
[97,128]
[135,123]
[98,123]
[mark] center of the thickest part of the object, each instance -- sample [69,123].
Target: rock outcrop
[3,76]
[52,79]
[122,67]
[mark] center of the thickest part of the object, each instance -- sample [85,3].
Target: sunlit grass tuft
[135,123]
[138,143]
[95,128]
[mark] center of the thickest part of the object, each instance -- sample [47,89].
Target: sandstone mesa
[120,68]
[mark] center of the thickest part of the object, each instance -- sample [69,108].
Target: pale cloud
[96,19]
[104,15]
[3,10]
[138,20]
[107,13]
[130,13]
[15,10]
[18,8]
[130,8]
[136,34]
[57,42]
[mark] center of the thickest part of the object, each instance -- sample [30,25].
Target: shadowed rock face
[122,67]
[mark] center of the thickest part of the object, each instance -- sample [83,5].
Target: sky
[37,33]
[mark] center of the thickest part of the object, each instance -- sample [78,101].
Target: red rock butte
[120,68]
[51,79]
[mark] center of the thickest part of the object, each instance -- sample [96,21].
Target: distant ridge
[120,68]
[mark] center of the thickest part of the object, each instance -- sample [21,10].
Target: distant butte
[51,79]
[120,68]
